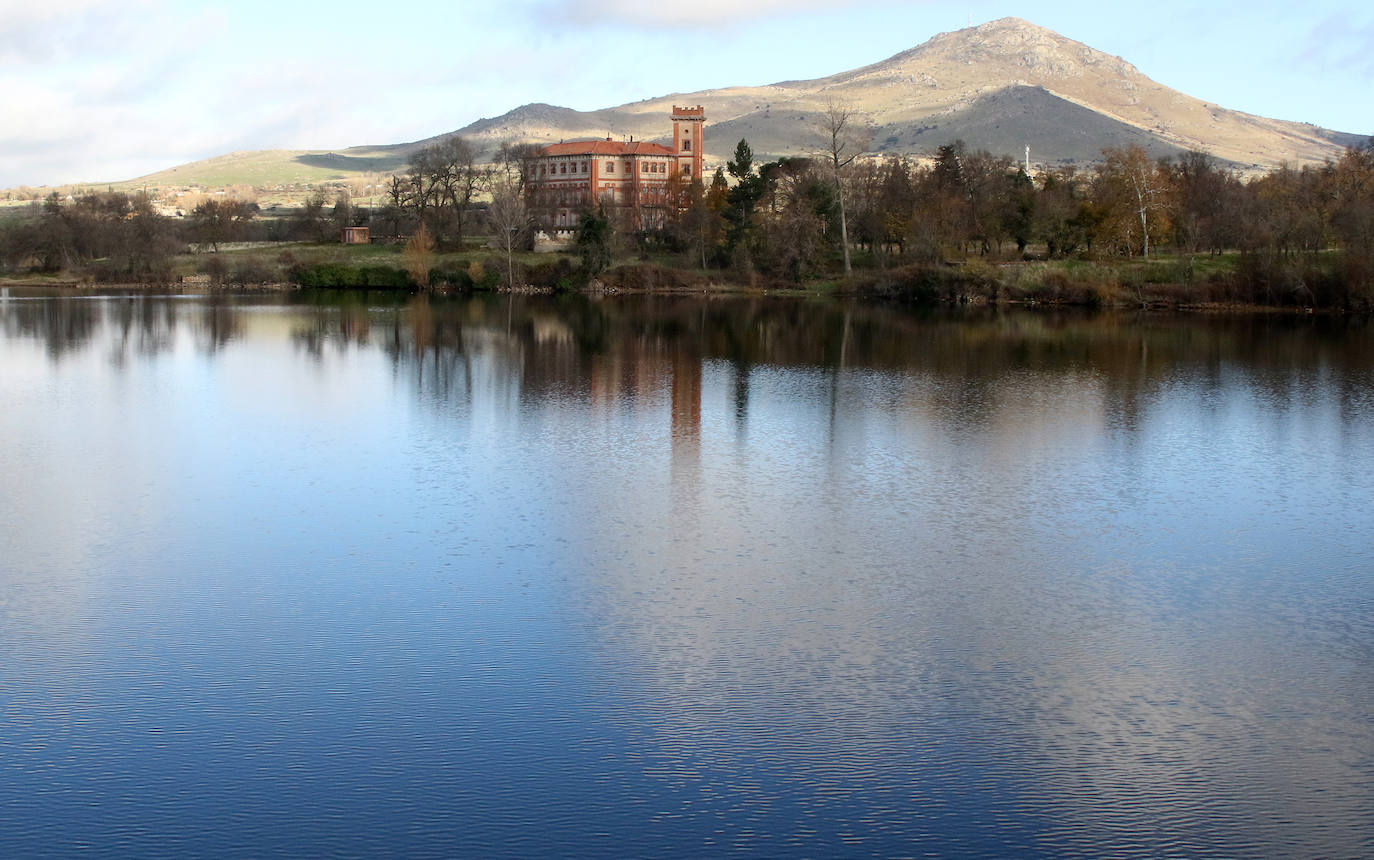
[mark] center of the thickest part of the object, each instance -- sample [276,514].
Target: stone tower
[688,123]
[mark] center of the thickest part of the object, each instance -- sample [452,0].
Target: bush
[336,276]
[450,277]
[558,274]
[486,275]
[215,267]
[385,278]
[926,283]
[252,271]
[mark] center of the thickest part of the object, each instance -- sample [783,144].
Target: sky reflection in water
[665,577]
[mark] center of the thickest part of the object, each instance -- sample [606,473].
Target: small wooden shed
[357,235]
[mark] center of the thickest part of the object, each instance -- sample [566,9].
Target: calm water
[671,577]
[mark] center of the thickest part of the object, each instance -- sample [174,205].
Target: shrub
[558,274]
[385,278]
[450,277]
[215,267]
[486,275]
[252,271]
[929,282]
[336,276]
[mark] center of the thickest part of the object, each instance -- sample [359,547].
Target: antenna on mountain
[970,19]
[1028,159]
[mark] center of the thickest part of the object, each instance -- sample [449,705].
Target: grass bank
[1307,282]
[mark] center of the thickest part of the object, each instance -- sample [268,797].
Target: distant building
[566,179]
[356,235]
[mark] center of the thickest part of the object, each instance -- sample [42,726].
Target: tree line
[116,235]
[785,219]
[1294,231]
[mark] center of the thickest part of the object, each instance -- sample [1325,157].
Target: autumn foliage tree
[419,256]
[1131,191]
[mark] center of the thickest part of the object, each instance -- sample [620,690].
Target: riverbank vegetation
[964,226]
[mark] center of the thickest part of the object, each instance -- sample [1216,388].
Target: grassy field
[280,257]
[269,169]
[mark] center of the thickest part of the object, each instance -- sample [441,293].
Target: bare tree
[396,195]
[216,221]
[310,223]
[509,218]
[342,216]
[442,181]
[512,159]
[843,139]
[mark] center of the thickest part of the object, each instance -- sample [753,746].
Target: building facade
[566,179]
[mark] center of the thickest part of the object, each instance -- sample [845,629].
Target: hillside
[1000,86]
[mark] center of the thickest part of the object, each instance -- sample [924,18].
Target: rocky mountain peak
[1012,43]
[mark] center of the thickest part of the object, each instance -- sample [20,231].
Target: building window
[610,167]
[686,170]
[562,168]
[686,144]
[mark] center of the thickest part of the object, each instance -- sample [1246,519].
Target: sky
[106,90]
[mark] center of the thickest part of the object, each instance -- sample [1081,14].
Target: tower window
[686,144]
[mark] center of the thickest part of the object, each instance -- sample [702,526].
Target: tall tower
[688,123]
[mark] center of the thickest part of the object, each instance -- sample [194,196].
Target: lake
[680,576]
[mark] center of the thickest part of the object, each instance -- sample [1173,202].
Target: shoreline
[30,289]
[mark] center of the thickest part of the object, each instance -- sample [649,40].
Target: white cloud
[55,134]
[95,89]
[52,30]
[1341,44]
[699,14]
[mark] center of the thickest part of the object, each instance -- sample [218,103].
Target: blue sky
[99,90]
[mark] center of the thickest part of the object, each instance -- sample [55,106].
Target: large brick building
[566,179]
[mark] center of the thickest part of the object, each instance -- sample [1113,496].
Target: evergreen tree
[594,241]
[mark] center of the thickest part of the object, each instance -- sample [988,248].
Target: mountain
[1000,86]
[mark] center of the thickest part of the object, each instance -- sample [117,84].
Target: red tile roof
[605,147]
